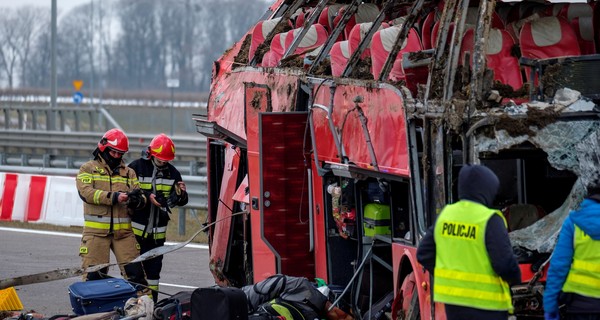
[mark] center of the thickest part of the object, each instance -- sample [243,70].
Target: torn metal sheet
[570,145]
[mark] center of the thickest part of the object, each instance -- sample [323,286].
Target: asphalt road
[24,252]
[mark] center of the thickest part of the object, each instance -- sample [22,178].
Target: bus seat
[584,30]
[548,37]
[366,12]
[272,57]
[427,28]
[571,11]
[314,37]
[357,34]
[328,15]
[382,44]
[259,33]
[498,56]
[340,54]
[519,216]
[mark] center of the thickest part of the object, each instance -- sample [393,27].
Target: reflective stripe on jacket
[164,183]
[584,276]
[97,185]
[463,273]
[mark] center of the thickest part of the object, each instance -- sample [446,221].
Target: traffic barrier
[40,199]
[62,204]
[22,197]
[53,199]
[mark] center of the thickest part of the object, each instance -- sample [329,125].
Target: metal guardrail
[196,185]
[71,149]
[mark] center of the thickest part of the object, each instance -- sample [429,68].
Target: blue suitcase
[100,295]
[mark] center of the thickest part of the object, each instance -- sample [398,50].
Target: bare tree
[73,47]
[139,55]
[19,29]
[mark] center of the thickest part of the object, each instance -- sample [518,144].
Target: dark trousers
[465,313]
[152,267]
[583,316]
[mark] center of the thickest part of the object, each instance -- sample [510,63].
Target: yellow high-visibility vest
[463,273]
[584,276]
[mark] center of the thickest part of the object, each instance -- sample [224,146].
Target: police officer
[107,188]
[163,185]
[575,263]
[469,253]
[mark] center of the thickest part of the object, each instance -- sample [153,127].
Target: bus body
[335,170]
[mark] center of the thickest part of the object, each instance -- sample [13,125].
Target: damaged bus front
[337,130]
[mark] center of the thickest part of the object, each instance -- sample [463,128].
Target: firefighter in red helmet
[163,185]
[109,190]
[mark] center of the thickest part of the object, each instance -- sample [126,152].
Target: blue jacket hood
[587,218]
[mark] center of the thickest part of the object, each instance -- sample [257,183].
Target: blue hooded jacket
[587,217]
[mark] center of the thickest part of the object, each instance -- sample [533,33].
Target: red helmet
[162,148]
[114,139]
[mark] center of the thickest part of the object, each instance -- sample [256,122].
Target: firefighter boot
[136,276]
[153,285]
[96,275]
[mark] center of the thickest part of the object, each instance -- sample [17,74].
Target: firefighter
[109,190]
[575,263]
[163,185]
[468,251]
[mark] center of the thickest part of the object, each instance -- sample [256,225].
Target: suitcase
[223,303]
[377,219]
[103,295]
[175,307]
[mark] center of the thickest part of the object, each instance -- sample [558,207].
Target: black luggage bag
[223,303]
[103,295]
[175,307]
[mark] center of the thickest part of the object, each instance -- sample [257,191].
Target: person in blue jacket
[574,275]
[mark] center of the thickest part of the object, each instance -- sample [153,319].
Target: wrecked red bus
[336,130]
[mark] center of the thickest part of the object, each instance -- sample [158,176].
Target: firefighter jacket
[575,263]
[99,188]
[463,274]
[152,221]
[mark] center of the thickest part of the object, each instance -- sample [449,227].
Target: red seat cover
[366,12]
[584,29]
[339,57]
[498,56]
[314,37]
[358,33]
[548,37]
[381,45]
[259,33]
[275,53]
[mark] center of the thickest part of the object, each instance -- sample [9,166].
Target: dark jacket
[479,184]
[161,181]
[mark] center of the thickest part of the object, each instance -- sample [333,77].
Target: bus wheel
[406,302]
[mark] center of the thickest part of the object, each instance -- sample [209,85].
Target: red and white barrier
[40,199]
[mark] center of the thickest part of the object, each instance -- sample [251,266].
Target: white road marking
[76,235]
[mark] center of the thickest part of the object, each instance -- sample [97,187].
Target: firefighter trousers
[152,267]
[95,250]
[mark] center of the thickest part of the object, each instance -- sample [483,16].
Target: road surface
[24,252]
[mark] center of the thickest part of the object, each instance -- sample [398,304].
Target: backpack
[295,291]
[288,310]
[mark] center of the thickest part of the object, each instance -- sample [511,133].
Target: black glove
[136,199]
[177,199]
[160,198]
